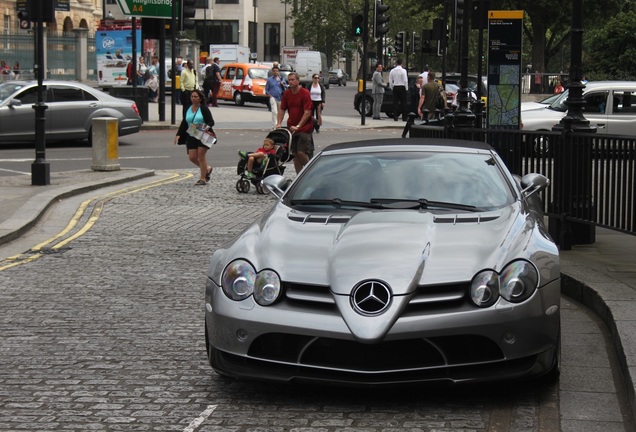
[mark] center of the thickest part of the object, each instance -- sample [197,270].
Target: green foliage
[611,49]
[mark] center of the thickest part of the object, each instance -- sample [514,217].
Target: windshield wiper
[422,203]
[338,202]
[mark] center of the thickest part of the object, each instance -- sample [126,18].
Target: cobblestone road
[106,334]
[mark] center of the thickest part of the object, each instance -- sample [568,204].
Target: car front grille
[426,299]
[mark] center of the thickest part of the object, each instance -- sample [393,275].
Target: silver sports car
[388,262]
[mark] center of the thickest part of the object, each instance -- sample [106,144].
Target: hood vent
[319,218]
[464,219]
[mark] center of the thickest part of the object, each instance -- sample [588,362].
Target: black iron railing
[593,176]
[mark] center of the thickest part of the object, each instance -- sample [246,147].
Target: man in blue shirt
[274,89]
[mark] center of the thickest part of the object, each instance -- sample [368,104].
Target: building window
[272,42]
[227,1]
[217,32]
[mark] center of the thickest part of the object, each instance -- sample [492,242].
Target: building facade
[259,24]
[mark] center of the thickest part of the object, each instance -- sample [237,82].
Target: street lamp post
[40,168]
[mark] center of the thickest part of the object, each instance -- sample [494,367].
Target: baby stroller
[272,164]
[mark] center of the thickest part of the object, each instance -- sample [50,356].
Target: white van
[309,63]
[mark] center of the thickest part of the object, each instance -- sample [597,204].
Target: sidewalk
[229,116]
[602,276]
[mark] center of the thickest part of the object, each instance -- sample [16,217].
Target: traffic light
[416,43]
[357,24]
[459,14]
[36,11]
[380,20]
[399,43]
[25,20]
[188,12]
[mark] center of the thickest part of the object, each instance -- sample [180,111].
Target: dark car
[389,262]
[452,81]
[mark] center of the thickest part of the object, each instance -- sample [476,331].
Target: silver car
[610,106]
[71,107]
[389,262]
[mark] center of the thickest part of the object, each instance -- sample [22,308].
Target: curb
[30,212]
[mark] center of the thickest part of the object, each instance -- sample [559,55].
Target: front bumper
[292,343]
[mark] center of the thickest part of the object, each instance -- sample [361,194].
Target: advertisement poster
[114,52]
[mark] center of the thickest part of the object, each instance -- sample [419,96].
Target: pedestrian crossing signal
[357,24]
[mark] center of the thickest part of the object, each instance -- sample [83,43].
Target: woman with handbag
[195,131]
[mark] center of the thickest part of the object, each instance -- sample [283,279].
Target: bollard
[105,144]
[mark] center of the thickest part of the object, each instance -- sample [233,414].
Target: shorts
[303,142]
[193,143]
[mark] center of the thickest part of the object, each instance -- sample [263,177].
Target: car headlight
[516,283]
[240,281]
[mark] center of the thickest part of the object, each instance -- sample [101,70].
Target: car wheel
[368,107]
[238,99]
[541,146]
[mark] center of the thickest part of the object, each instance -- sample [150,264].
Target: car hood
[542,118]
[402,248]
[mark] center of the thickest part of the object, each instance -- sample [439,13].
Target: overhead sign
[505,29]
[146,8]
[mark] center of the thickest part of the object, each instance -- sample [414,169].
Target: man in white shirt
[398,81]
[424,74]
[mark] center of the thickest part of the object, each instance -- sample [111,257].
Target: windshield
[461,179]
[8,88]
[258,73]
[559,103]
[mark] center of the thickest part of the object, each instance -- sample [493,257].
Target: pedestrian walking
[188,83]
[378,88]
[274,88]
[296,101]
[398,81]
[317,92]
[216,81]
[194,131]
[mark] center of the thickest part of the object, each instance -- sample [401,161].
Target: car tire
[238,99]
[368,107]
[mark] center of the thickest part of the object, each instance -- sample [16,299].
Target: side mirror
[276,184]
[533,183]
[15,103]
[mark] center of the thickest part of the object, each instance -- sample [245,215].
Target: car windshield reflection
[403,180]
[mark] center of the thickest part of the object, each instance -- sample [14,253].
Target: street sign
[349,46]
[144,8]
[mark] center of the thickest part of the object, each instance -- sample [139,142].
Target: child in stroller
[258,156]
[267,160]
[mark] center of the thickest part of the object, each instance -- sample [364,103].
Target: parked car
[71,107]
[388,262]
[387,100]
[610,106]
[338,76]
[529,105]
[244,82]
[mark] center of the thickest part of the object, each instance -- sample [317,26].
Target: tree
[611,52]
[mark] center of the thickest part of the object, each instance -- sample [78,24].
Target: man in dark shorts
[297,102]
